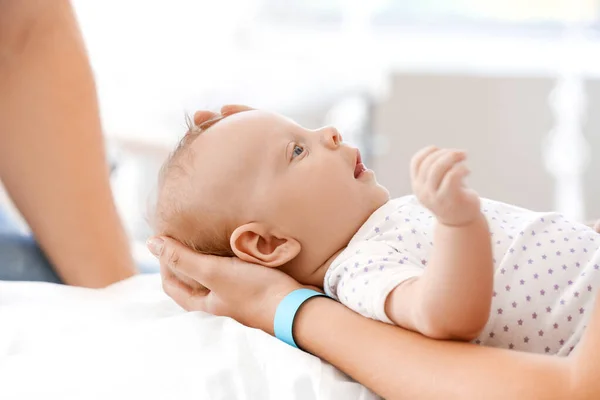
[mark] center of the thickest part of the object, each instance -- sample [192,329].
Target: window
[474,13]
[489,12]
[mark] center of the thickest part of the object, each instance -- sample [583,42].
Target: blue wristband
[286,312]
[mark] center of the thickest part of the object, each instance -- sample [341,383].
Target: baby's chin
[380,196]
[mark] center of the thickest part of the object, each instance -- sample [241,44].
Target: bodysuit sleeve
[365,274]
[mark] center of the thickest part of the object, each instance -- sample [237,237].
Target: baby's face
[307,184]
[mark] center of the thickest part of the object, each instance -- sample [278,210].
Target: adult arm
[52,158]
[398,364]
[395,363]
[594,225]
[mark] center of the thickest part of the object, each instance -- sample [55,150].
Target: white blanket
[130,341]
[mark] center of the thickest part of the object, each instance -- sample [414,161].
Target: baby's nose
[331,137]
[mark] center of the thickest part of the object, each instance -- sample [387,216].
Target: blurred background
[516,84]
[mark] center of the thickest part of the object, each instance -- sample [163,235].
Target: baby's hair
[176,214]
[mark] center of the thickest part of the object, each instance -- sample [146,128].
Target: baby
[444,262]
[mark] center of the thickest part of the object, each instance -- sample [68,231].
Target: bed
[131,341]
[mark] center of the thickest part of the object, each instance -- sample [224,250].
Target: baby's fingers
[441,166]
[418,158]
[426,166]
[453,180]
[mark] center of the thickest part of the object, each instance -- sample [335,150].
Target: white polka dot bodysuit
[547,270]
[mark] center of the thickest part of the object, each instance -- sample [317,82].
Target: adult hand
[203,116]
[248,293]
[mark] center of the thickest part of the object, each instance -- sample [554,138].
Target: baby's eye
[298,150]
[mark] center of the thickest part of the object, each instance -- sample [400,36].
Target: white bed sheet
[131,341]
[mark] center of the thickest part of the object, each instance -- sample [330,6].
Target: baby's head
[258,186]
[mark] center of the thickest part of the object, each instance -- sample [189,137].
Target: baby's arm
[452,299]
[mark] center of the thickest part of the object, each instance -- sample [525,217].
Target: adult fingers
[187,298]
[167,274]
[186,292]
[202,116]
[233,109]
[206,269]
[597,226]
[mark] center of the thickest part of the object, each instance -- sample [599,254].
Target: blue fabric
[6,224]
[21,259]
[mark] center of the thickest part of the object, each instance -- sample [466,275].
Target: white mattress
[131,341]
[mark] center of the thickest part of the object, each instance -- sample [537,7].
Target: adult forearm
[395,363]
[595,225]
[456,288]
[398,364]
[52,159]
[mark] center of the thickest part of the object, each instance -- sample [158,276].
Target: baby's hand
[438,182]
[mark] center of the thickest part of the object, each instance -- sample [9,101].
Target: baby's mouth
[359,167]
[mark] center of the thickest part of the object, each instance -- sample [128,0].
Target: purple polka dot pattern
[547,270]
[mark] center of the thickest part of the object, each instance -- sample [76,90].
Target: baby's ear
[257,244]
